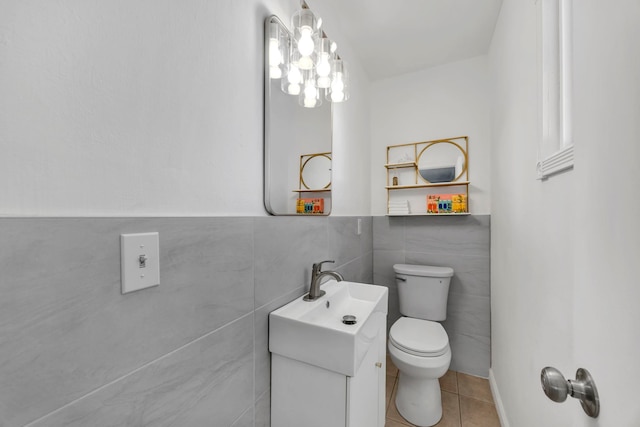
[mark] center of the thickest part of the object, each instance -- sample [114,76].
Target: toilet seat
[419,337]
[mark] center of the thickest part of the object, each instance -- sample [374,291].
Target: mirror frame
[267,152]
[305,158]
[444,141]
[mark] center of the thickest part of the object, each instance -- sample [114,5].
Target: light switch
[140,261]
[359,231]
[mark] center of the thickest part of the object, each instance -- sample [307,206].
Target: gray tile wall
[194,351]
[462,243]
[191,352]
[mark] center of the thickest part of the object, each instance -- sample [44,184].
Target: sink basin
[314,332]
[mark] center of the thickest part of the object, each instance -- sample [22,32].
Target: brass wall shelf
[432,214]
[419,158]
[322,190]
[401,165]
[440,184]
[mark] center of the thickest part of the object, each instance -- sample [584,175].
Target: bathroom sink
[314,332]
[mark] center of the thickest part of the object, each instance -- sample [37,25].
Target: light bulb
[275,59]
[337,96]
[310,91]
[294,76]
[291,85]
[305,44]
[324,67]
[293,89]
[275,72]
[275,56]
[309,97]
[337,85]
[305,63]
[324,82]
[310,102]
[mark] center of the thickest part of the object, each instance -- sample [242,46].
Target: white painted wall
[564,279]
[148,108]
[446,101]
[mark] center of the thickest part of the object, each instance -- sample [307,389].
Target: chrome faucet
[316,275]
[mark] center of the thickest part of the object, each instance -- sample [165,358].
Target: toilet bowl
[418,344]
[418,396]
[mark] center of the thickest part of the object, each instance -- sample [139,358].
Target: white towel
[398,207]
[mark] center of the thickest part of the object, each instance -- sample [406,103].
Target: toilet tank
[423,290]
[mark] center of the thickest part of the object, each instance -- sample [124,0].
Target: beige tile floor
[466,401]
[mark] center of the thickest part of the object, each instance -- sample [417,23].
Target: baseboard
[498,400]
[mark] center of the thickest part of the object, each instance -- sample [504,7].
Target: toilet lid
[419,337]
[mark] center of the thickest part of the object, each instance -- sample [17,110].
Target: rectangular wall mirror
[297,138]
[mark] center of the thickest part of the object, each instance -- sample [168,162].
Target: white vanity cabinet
[310,396]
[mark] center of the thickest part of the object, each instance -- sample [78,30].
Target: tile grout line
[459,403]
[253,274]
[140,368]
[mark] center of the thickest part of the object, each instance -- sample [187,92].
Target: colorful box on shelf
[460,203]
[310,206]
[446,203]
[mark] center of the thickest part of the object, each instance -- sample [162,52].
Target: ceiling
[393,37]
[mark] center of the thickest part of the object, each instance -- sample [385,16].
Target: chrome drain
[349,319]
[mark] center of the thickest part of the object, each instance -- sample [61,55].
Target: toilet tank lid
[423,270]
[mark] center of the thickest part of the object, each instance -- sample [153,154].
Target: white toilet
[418,344]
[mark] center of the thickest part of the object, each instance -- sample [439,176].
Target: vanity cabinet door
[305,395]
[366,390]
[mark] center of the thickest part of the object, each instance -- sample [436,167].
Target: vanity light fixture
[292,81]
[310,96]
[323,65]
[278,56]
[338,90]
[305,36]
[306,61]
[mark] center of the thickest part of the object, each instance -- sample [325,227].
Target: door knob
[557,388]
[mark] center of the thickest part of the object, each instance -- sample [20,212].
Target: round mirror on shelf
[442,161]
[315,171]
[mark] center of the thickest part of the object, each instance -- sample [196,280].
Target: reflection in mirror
[289,130]
[442,161]
[315,171]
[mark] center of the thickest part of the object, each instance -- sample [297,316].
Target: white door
[606,315]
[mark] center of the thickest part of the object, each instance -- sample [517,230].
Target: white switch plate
[359,226]
[136,274]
